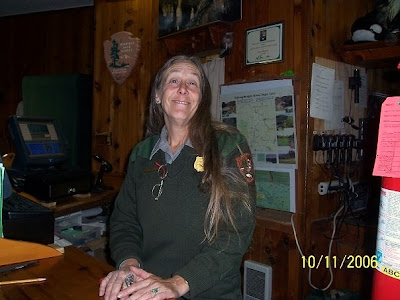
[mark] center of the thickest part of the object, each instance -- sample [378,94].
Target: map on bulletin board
[264,112]
[275,189]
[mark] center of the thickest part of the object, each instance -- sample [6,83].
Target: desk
[74,204]
[71,204]
[75,275]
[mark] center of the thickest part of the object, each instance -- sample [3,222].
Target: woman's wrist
[130,262]
[182,285]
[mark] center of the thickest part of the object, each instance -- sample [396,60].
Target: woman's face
[180,95]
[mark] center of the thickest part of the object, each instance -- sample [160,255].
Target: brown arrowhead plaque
[121,53]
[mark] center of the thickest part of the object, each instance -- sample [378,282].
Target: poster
[264,112]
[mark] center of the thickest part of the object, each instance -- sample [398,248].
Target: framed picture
[178,15]
[264,44]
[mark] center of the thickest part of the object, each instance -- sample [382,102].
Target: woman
[184,216]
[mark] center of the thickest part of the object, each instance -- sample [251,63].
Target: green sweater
[167,236]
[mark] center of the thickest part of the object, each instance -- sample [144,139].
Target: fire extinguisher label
[388,236]
[390,272]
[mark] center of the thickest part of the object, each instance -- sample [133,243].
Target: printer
[40,153]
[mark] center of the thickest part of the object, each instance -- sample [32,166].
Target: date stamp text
[334,262]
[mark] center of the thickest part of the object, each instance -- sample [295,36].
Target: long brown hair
[203,136]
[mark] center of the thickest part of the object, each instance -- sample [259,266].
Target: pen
[17,266]
[22,281]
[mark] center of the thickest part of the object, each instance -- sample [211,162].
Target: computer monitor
[38,142]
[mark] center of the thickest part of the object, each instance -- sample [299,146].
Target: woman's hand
[149,286]
[115,281]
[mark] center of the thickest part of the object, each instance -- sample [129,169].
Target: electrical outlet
[325,186]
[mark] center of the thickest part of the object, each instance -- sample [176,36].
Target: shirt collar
[162,144]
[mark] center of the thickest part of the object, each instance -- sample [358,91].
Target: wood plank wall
[37,44]
[120,110]
[273,243]
[330,29]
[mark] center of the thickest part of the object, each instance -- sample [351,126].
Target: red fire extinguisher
[386,281]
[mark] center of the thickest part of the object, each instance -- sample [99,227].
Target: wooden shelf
[378,54]
[199,40]
[274,219]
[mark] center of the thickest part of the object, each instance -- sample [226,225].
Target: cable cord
[329,250]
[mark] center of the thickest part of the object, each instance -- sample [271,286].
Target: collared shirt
[162,144]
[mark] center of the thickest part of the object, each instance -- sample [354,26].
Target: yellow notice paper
[387,161]
[19,251]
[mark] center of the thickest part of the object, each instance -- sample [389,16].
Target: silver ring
[129,279]
[154,291]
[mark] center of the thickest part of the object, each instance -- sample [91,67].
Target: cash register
[39,166]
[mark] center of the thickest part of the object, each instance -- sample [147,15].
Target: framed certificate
[264,44]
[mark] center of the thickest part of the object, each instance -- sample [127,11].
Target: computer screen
[38,142]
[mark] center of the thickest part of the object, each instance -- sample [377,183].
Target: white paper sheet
[322,83]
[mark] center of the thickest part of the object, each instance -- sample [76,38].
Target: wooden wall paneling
[273,242]
[273,245]
[265,12]
[324,43]
[328,34]
[327,205]
[110,18]
[384,80]
[319,171]
[352,241]
[120,110]
[38,44]
[80,40]
[301,68]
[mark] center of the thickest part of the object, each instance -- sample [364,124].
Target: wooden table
[75,275]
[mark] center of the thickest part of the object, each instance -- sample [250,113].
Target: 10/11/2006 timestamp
[347,262]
